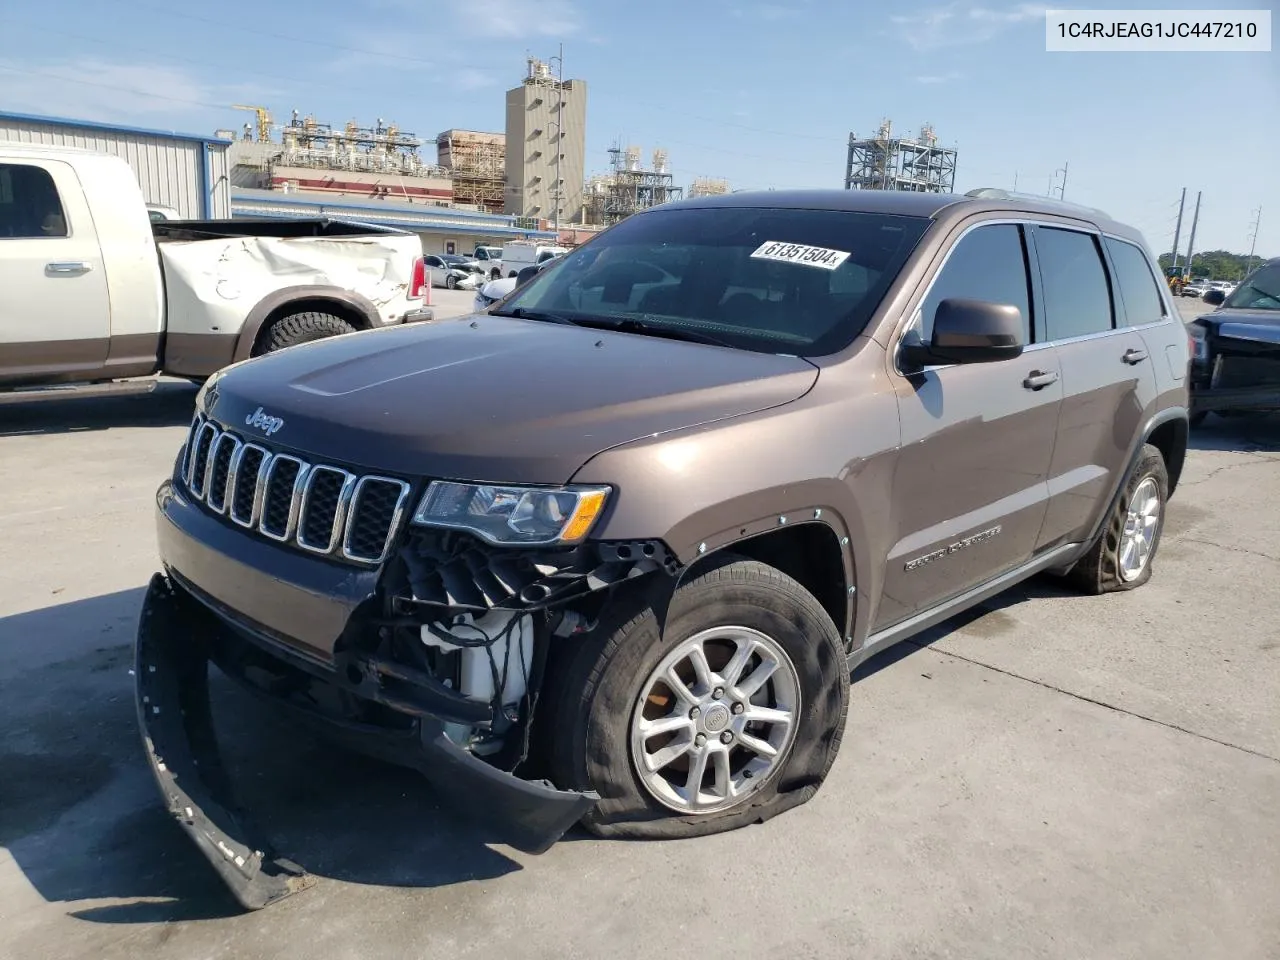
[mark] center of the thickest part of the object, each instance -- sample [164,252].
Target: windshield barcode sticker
[800,253]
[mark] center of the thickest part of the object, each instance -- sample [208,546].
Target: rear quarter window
[1139,289]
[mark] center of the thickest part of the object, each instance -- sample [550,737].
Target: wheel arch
[353,307]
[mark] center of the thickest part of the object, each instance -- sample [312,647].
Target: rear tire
[1122,556]
[296,328]
[607,692]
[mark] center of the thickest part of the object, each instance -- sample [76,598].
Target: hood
[1262,326]
[491,398]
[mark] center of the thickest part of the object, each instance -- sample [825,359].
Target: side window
[1077,298]
[29,203]
[434,262]
[1138,285]
[988,263]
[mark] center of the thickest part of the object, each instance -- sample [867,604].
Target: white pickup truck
[93,289]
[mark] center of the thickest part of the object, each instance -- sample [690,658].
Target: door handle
[68,266]
[1038,380]
[1134,355]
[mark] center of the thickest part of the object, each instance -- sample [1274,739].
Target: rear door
[55,313]
[1108,378]
[970,490]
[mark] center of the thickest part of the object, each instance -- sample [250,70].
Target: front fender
[704,489]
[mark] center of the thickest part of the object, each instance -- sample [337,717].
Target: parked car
[92,288]
[490,258]
[1236,350]
[685,480]
[446,274]
[1196,288]
[519,254]
[493,291]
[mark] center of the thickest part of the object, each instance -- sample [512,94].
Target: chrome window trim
[291,522]
[209,470]
[339,516]
[397,515]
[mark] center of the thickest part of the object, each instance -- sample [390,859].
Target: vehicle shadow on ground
[168,404]
[83,819]
[1246,433]
[989,617]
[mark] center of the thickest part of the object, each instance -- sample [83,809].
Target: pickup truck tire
[1122,556]
[295,328]
[606,694]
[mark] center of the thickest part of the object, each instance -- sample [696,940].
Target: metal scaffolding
[708,187]
[888,163]
[629,189]
[382,148]
[477,163]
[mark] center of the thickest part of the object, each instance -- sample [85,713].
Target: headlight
[513,515]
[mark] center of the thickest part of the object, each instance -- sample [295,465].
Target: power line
[109,86]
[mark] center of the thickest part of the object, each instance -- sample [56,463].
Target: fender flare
[1157,420]
[351,301]
[788,514]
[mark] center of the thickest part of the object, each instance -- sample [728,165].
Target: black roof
[867,201]
[906,203]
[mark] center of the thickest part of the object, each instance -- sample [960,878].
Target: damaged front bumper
[400,713]
[1237,367]
[178,636]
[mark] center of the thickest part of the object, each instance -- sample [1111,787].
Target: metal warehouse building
[187,172]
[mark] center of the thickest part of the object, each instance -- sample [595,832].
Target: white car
[519,254]
[495,290]
[450,276]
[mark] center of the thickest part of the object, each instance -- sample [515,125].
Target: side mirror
[1214,297]
[525,275]
[969,331]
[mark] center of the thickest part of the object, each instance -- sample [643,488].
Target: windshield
[1261,291]
[801,282]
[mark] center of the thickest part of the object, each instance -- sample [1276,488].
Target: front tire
[1122,556]
[733,716]
[450,283]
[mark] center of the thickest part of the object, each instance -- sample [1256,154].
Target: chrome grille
[321,508]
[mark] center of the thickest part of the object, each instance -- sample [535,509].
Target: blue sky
[763,94]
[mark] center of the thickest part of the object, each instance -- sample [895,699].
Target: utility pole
[1062,191]
[559,194]
[1191,241]
[1253,239]
[1177,232]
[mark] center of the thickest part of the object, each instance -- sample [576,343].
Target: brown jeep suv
[607,552]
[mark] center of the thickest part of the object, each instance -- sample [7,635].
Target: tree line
[1213,264]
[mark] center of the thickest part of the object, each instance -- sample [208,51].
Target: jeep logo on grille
[263,421]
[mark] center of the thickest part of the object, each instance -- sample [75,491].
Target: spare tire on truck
[304,327]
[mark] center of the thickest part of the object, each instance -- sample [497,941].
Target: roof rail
[997,193]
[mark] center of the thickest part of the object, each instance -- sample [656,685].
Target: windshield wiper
[636,325]
[521,313]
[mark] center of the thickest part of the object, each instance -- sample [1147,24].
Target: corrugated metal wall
[171,171]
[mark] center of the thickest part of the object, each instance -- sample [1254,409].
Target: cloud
[101,90]
[960,24]
[489,20]
[469,78]
[938,78]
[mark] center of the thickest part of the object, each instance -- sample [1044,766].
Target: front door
[55,314]
[970,490]
[1108,381]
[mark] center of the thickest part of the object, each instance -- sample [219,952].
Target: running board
[878,642]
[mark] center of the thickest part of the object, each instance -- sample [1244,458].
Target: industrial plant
[482,188]
[886,162]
